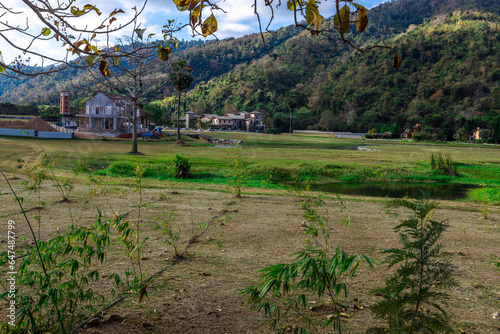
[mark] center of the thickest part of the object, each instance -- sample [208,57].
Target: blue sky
[239,20]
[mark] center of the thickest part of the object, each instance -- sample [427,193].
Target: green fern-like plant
[319,271]
[414,296]
[443,165]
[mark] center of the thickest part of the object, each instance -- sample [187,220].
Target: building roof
[233,116]
[480,129]
[255,112]
[209,116]
[183,118]
[118,98]
[121,101]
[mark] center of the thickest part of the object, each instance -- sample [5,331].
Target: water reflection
[445,191]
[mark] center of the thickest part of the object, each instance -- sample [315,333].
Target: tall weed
[319,271]
[443,165]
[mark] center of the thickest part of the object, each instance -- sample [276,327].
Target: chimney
[64,105]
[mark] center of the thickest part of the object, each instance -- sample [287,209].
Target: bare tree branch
[60,23]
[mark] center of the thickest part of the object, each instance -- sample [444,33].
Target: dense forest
[448,80]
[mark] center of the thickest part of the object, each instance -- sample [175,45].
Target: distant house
[408,134]
[188,117]
[111,113]
[207,118]
[223,122]
[477,134]
[248,121]
[253,121]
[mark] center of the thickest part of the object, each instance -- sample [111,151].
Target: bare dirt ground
[200,293]
[86,135]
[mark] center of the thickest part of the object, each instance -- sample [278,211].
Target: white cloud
[234,29]
[238,20]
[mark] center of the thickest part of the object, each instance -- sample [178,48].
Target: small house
[249,121]
[408,134]
[478,133]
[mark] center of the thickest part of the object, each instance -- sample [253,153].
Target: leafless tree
[63,22]
[131,77]
[348,112]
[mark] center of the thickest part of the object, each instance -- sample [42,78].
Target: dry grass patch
[200,293]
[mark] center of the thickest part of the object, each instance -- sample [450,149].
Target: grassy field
[200,293]
[270,159]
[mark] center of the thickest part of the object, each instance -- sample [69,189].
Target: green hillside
[394,17]
[448,80]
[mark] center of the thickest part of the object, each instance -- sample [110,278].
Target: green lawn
[267,159]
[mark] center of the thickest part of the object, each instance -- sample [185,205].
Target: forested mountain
[449,76]
[448,79]
[394,17]
[45,90]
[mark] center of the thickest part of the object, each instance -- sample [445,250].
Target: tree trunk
[134,129]
[290,130]
[178,117]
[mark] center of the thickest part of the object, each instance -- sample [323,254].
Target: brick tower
[64,105]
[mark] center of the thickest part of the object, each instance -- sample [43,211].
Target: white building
[110,113]
[249,121]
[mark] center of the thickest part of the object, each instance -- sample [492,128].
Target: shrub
[272,131]
[121,169]
[413,297]
[277,174]
[425,136]
[182,167]
[236,172]
[371,133]
[443,165]
[56,279]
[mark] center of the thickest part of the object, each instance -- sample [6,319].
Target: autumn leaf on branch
[209,26]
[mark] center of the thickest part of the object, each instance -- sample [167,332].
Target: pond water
[444,191]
